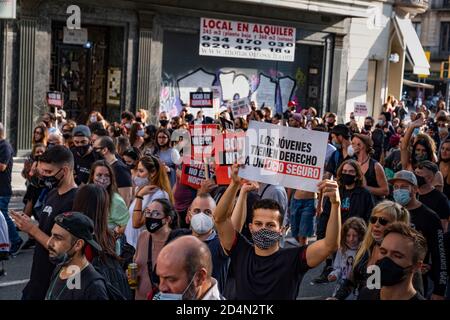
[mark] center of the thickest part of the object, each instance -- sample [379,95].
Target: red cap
[292,103]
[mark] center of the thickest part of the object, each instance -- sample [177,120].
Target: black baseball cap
[341,130]
[79,225]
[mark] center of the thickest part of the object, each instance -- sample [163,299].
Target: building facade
[145,54]
[433,28]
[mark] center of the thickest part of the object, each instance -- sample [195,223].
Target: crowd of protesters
[107,199]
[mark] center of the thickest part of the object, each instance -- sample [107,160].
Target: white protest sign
[236,39]
[291,157]
[240,107]
[8,9]
[360,109]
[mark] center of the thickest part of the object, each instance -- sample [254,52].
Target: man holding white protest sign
[280,274]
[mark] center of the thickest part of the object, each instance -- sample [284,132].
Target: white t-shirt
[131,233]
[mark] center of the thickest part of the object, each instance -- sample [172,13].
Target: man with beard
[56,167]
[74,278]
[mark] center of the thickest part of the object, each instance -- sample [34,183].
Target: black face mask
[367,127]
[163,123]
[130,166]
[138,120]
[98,155]
[81,150]
[50,145]
[391,273]
[51,182]
[67,136]
[348,179]
[420,180]
[62,258]
[153,224]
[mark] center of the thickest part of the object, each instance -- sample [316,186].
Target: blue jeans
[12,231]
[303,213]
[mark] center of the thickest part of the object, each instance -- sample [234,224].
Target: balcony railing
[413,6]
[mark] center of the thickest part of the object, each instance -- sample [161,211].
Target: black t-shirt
[42,268]
[336,159]
[436,201]
[92,287]
[426,221]
[82,166]
[123,174]
[6,157]
[275,277]
[220,262]
[374,294]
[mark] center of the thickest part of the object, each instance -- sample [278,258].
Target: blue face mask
[337,145]
[175,296]
[416,131]
[402,196]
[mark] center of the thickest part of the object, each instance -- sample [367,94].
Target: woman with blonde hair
[142,116]
[382,216]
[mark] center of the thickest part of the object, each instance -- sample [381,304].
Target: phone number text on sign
[235,39]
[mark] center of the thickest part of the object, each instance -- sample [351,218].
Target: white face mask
[201,223]
[93,119]
[140,133]
[139,182]
[350,151]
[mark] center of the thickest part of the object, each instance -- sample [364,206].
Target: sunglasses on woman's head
[381,220]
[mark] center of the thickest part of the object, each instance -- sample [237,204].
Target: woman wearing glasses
[383,214]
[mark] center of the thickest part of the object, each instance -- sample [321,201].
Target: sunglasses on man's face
[381,220]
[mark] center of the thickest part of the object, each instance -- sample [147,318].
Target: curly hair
[356,224]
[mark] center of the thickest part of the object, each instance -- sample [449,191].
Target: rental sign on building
[8,9]
[235,39]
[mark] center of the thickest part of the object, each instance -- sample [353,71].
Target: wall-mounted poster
[237,39]
[114,77]
[8,9]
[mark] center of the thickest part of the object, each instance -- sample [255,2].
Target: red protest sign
[229,147]
[193,173]
[223,175]
[202,141]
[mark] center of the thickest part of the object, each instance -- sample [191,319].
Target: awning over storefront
[410,41]
[414,84]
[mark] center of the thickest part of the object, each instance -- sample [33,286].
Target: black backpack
[115,278]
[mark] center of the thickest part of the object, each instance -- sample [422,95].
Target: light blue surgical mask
[140,182]
[402,196]
[175,296]
[168,296]
[337,145]
[140,133]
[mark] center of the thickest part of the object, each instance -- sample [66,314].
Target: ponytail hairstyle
[157,175]
[169,211]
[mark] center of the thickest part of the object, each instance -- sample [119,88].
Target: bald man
[55,139]
[184,268]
